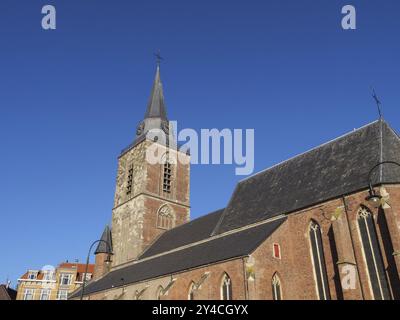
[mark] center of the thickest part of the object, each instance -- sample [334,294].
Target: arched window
[226,288]
[159,293]
[372,255]
[165,218]
[191,291]
[318,260]
[276,287]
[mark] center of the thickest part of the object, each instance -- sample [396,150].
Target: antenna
[378,102]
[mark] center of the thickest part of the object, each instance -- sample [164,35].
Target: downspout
[246,284]
[352,244]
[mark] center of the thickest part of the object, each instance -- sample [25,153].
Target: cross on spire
[378,103]
[159,58]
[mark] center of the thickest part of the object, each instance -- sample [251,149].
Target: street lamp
[107,261]
[374,199]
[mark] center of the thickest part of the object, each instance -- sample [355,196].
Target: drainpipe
[352,244]
[246,283]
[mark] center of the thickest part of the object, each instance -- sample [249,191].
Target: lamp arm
[371,190]
[87,263]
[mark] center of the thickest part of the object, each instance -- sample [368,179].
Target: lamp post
[373,198]
[108,260]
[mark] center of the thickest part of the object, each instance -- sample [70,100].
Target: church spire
[156,104]
[155,118]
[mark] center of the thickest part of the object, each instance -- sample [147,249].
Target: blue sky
[70,99]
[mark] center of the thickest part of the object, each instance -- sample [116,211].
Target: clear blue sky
[70,99]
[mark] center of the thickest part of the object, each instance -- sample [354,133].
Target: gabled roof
[233,245]
[193,231]
[333,169]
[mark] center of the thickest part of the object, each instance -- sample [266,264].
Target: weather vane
[378,103]
[158,57]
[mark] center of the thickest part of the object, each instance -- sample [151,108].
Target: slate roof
[193,231]
[333,169]
[216,249]
[156,105]
[7,293]
[105,246]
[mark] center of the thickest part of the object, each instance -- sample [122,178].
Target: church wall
[341,247]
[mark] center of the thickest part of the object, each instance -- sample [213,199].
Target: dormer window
[65,279]
[32,275]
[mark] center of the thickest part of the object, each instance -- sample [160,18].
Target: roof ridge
[310,150]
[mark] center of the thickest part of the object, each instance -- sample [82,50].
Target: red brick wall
[341,243]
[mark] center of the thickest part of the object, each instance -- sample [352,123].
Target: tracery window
[226,288]
[372,255]
[318,260]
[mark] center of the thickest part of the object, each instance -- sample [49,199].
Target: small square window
[276,251]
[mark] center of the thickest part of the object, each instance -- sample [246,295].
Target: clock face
[140,129]
[165,126]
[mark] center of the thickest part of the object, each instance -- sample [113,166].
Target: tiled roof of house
[80,267]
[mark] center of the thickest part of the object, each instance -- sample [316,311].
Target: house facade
[52,284]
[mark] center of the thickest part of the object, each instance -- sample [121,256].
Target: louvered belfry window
[317,254]
[130,180]
[372,255]
[167,175]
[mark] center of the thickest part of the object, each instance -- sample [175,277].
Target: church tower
[149,198]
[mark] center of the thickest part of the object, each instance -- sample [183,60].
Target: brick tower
[149,198]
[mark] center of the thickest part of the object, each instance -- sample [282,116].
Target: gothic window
[372,255]
[165,218]
[130,180]
[226,288]
[318,260]
[167,175]
[191,291]
[276,288]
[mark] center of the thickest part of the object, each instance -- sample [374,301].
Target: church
[322,225]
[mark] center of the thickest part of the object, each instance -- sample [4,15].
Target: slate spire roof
[155,119]
[156,105]
[102,247]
